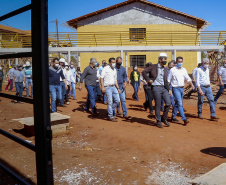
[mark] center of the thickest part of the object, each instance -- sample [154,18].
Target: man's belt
[205,86]
[109,85]
[179,87]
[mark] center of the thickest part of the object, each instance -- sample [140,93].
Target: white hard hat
[66,64]
[62,60]
[163,55]
[28,63]
[24,65]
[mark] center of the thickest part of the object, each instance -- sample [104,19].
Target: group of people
[164,85]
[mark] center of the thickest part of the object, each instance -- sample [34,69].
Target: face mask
[179,64]
[206,66]
[72,66]
[135,68]
[164,62]
[66,67]
[56,65]
[224,65]
[119,64]
[20,68]
[113,65]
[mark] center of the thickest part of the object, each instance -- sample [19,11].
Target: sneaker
[62,106]
[200,117]
[186,122]
[119,112]
[174,120]
[166,123]
[68,103]
[185,110]
[159,124]
[213,118]
[127,117]
[113,119]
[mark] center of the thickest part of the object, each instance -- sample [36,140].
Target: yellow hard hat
[10,67]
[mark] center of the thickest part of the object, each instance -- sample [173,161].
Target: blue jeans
[98,92]
[113,100]
[19,88]
[73,85]
[178,95]
[91,98]
[63,93]
[221,90]
[136,88]
[122,97]
[11,85]
[104,98]
[208,93]
[29,81]
[55,92]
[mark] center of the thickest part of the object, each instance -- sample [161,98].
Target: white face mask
[113,65]
[135,68]
[206,65]
[72,66]
[57,65]
[66,67]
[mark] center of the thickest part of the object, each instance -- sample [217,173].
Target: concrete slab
[216,176]
[59,123]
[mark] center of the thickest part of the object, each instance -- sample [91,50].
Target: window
[139,60]
[137,34]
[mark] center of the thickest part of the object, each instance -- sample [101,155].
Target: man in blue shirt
[122,80]
[55,72]
[28,78]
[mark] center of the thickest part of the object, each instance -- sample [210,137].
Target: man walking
[90,76]
[194,80]
[156,75]
[122,80]
[28,78]
[176,78]
[19,78]
[204,89]
[104,64]
[109,85]
[222,80]
[10,75]
[1,78]
[73,85]
[62,84]
[55,73]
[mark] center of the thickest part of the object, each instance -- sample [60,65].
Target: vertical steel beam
[79,59]
[121,53]
[126,60]
[43,135]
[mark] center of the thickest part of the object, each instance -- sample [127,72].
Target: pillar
[79,63]
[122,56]
[69,57]
[174,54]
[126,60]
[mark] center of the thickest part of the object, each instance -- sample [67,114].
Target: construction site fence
[121,38]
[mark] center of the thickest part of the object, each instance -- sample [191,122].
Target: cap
[62,60]
[28,64]
[163,55]
[66,64]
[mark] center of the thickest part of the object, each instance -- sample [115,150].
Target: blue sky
[212,11]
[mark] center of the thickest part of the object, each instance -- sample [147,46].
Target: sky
[64,10]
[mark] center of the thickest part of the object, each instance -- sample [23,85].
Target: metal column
[174,54]
[43,133]
[79,63]
[126,56]
[69,57]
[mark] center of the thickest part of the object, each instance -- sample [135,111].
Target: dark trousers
[91,98]
[149,97]
[1,85]
[63,91]
[67,93]
[98,92]
[160,92]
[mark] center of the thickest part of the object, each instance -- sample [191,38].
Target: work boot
[166,122]
[186,122]
[159,124]
[175,120]
[113,119]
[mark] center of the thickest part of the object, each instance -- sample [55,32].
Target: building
[138,23]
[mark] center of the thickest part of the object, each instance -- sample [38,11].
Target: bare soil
[97,151]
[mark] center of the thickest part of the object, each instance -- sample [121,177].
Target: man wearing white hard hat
[28,78]
[156,77]
[63,89]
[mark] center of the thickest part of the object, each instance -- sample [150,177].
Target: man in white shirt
[109,85]
[194,80]
[176,78]
[222,80]
[204,89]
[63,89]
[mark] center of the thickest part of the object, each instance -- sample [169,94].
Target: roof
[74,22]
[8,29]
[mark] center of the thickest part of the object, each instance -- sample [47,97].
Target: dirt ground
[97,151]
